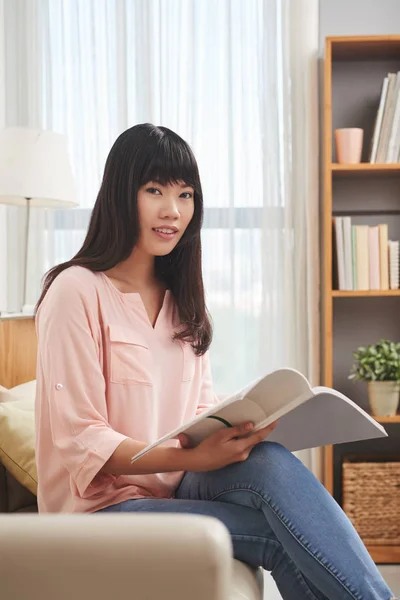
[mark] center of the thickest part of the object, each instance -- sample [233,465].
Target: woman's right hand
[226,446]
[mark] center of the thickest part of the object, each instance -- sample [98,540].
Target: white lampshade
[34,164]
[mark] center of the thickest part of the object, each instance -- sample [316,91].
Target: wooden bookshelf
[363,293]
[354,69]
[364,169]
[364,47]
[394,419]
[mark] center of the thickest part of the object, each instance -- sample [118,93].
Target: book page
[277,389]
[227,416]
[327,393]
[328,417]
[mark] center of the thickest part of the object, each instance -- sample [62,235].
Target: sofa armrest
[115,556]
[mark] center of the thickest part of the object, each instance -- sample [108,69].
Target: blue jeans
[282,518]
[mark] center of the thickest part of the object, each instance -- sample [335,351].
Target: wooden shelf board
[395,419]
[365,169]
[364,293]
[365,47]
[385,554]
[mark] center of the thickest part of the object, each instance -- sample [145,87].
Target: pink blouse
[105,374]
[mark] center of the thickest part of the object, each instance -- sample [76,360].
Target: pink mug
[349,142]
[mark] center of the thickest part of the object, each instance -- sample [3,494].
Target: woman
[123,359]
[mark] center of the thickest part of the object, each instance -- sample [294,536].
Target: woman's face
[164,214]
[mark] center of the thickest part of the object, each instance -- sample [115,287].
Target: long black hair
[141,154]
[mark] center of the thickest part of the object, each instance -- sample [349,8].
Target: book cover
[362,253]
[374,274]
[378,121]
[348,253]
[394,265]
[339,247]
[386,120]
[394,138]
[384,256]
[354,256]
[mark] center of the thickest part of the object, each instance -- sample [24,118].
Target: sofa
[14,497]
[103,556]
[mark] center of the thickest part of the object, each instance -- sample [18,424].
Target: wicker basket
[371,498]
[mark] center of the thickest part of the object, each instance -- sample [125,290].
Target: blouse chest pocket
[130,357]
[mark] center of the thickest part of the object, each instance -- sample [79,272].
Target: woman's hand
[226,446]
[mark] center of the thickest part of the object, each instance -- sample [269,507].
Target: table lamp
[35,171]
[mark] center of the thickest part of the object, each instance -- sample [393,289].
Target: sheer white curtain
[238,81]
[3,210]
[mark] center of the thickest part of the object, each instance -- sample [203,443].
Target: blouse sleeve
[74,386]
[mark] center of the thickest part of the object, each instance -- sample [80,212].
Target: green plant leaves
[377,362]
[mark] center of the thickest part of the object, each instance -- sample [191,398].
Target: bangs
[171,161]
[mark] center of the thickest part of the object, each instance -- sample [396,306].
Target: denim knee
[271,451]
[274,456]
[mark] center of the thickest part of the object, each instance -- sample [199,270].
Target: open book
[308,417]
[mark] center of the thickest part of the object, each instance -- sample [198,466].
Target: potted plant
[379,365]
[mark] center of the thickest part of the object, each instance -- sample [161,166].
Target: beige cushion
[17,433]
[19,392]
[3,391]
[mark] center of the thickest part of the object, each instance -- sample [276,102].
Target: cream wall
[358,17]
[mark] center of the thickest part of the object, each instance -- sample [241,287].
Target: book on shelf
[364,258]
[374,258]
[307,416]
[348,252]
[378,121]
[385,145]
[384,256]
[354,255]
[339,251]
[394,265]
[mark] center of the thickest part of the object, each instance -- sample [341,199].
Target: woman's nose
[170,208]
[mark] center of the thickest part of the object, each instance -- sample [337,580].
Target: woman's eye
[153,190]
[186,195]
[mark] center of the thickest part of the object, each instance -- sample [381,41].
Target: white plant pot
[384,397]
